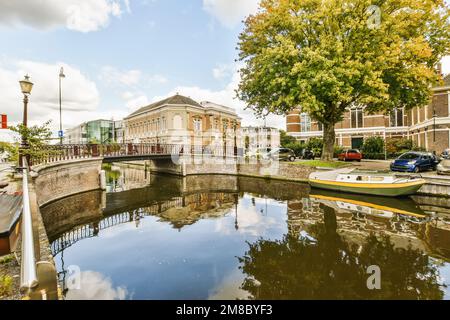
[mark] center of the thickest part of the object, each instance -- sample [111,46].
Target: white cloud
[227,97]
[115,77]
[79,93]
[80,97]
[230,12]
[94,286]
[135,101]
[77,15]
[223,71]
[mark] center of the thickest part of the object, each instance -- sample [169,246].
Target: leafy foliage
[324,56]
[286,139]
[334,267]
[37,138]
[373,145]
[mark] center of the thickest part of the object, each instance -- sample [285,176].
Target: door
[357,143]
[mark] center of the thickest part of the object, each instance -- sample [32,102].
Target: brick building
[428,126]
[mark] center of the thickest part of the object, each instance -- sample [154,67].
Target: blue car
[415,162]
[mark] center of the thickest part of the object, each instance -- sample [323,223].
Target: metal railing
[28,273]
[56,153]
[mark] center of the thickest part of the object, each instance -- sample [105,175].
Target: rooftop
[174,100]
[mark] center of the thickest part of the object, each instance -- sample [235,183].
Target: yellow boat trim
[369,185]
[368,204]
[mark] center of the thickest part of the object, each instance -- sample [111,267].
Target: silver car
[443,167]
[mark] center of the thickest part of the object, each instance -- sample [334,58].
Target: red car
[350,155]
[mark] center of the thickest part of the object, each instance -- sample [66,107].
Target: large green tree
[326,56]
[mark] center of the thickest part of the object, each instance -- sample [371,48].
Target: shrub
[297,147]
[5,285]
[338,150]
[374,156]
[373,145]
[315,145]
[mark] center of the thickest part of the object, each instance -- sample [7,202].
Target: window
[305,122]
[356,117]
[197,124]
[396,117]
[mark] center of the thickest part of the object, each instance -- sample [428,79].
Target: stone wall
[58,180]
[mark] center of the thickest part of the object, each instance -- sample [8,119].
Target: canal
[227,237]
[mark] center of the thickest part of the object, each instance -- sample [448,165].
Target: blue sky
[119,55]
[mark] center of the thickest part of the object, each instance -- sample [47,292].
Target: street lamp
[60,133]
[25,85]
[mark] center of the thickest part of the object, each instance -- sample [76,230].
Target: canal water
[226,237]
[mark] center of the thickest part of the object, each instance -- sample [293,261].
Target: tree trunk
[329,137]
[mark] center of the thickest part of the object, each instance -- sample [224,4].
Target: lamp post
[25,85]
[61,76]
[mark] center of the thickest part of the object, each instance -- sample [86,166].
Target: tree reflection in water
[333,268]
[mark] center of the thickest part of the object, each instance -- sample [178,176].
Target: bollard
[102,176]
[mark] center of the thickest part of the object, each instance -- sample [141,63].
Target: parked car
[350,155]
[307,154]
[443,167]
[415,162]
[445,154]
[281,154]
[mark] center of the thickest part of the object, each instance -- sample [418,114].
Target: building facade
[96,131]
[181,120]
[428,126]
[260,138]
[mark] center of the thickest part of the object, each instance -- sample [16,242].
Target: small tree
[286,139]
[37,138]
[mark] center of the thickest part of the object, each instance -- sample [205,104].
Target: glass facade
[99,131]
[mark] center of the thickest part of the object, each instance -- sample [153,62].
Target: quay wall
[59,180]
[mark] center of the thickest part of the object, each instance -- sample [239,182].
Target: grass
[321,163]
[5,285]
[6,259]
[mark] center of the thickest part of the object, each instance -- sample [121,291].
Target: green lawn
[320,163]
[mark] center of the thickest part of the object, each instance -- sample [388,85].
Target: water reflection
[225,237]
[332,267]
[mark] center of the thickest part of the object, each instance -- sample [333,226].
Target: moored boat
[366,182]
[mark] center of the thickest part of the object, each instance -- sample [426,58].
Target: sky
[119,55]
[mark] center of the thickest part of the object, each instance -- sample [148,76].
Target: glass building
[96,131]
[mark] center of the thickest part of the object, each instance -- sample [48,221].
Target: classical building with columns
[428,126]
[181,120]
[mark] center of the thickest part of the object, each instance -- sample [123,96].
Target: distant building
[428,126]
[181,120]
[96,131]
[119,131]
[260,137]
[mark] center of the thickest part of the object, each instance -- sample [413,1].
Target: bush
[297,147]
[374,156]
[373,145]
[338,150]
[315,145]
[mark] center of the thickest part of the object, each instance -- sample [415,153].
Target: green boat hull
[387,192]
